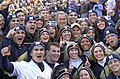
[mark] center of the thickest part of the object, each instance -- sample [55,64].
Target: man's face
[38,53]
[46,15]
[13,22]
[52,31]
[112,40]
[114,65]
[39,24]
[53,53]
[19,37]
[62,20]
[21,17]
[72,17]
[31,26]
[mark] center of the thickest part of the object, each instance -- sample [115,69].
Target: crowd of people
[59,39]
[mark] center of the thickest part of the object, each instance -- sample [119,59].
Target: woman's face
[101,24]
[66,35]
[85,44]
[45,37]
[83,25]
[84,75]
[91,33]
[39,24]
[65,76]
[76,32]
[99,53]
[73,53]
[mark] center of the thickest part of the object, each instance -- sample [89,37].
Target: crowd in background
[60,39]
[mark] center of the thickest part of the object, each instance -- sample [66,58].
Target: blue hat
[110,30]
[112,56]
[19,27]
[35,44]
[91,11]
[71,10]
[28,18]
[10,17]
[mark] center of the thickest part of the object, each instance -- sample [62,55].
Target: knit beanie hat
[61,70]
[91,11]
[10,17]
[110,30]
[64,28]
[19,27]
[28,18]
[43,30]
[112,56]
[85,36]
[70,10]
[35,44]
[87,29]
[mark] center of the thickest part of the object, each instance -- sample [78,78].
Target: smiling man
[35,69]
[113,62]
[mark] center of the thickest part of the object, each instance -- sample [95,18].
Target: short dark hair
[54,44]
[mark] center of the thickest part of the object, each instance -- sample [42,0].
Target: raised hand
[87,63]
[11,33]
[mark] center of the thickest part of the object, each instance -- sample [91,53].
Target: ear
[31,54]
[47,52]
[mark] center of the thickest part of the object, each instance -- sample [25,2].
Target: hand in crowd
[5,51]
[87,64]
[62,42]
[11,33]
[70,68]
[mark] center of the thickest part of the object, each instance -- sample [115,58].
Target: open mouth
[39,56]
[20,39]
[32,28]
